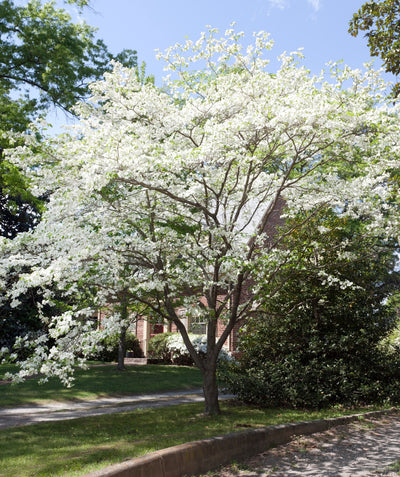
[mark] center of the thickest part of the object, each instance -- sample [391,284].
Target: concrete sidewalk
[57,411]
[365,447]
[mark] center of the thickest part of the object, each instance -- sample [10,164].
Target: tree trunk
[210,389]
[121,349]
[207,364]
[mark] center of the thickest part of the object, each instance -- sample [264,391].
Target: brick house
[144,330]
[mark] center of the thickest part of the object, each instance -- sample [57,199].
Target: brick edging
[198,457]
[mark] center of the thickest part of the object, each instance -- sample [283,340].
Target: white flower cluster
[178,348]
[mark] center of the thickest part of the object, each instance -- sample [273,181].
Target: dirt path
[363,448]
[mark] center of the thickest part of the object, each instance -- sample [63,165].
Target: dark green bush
[110,351]
[319,359]
[132,344]
[318,342]
[316,384]
[158,350]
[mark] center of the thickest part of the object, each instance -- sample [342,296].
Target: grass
[395,467]
[101,381]
[72,448]
[84,445]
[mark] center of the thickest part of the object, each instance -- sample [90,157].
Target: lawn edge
[197,457]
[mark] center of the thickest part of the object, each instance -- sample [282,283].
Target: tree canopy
[380,19]
[46,60]
[181,184]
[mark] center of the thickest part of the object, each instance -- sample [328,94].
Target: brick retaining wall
[198,457]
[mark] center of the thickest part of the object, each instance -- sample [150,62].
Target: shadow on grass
[100,381]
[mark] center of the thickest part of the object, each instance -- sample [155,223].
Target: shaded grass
[73,448]
[101,381]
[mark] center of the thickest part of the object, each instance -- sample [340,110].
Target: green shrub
[132,344]
[315,384]
[109,352]
[158,350]
[317,340]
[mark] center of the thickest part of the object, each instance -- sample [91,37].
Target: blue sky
[319,26]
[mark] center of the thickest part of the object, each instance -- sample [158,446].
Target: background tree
[46,60]
[183,183]
[380,20]
[19,320]
[317,340]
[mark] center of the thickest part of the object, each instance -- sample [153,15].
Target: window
[198,326]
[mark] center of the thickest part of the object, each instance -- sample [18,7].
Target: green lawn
[101,381]
[73,448]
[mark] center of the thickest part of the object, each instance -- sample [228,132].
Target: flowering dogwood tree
[76,264]
[178,185]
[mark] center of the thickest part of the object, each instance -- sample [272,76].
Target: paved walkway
[56,411]
[367,448]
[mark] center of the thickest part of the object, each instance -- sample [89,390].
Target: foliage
[110,345]
[171,193]
[20,321]
[49,52]
[325,313]
[20,210]
[158,348]
[46,60]
[18,318]
[380,20]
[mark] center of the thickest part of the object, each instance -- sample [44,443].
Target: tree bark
[207,364]
[121,349]
[210,390]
